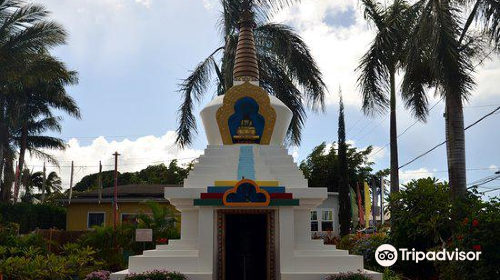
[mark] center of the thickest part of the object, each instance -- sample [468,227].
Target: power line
[442,143]
[406,130]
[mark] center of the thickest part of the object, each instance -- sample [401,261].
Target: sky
[131,56]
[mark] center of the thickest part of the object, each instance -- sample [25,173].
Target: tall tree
[440,55]
[26,35]
[286,67]
[378,68]
[343,177]
[40,89]
[321,167]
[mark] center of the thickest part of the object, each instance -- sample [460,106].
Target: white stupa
[246,206]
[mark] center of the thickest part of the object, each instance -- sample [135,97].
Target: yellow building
[87,209]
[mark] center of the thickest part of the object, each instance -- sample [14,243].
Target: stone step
[171,252]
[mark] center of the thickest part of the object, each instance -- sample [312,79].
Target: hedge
[33,216]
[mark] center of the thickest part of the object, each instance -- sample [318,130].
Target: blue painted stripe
[212,189]
[246,163]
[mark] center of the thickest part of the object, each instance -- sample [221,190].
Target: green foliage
[478,232]
[364,245]
[321,167]
[35,263]
[162,221]
[348,276]
[421,220]
[113,247]
[153,174]
[390,275]
[156,275]
[110,245]
[33,216]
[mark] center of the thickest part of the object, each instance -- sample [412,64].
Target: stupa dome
[213,132]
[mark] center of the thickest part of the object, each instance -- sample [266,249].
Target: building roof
[126,193]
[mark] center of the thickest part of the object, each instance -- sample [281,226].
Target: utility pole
[115,201]
[99,183]
[71,183]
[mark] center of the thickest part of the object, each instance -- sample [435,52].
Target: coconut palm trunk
[22,152]
[456,145]
[394,135]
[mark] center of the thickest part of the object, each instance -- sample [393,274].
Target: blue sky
[132,54]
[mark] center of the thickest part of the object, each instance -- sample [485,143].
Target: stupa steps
[322,253]
[171,252]
[313,275]
[172,263]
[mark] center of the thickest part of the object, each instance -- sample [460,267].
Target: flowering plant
[156,275]
[98,275]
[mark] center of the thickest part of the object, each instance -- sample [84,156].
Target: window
[327,220]
[129,218]
[95,219]
[314,221]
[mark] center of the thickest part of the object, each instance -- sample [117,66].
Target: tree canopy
[321,167]
[153,174]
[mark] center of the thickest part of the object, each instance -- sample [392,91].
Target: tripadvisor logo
[386,255]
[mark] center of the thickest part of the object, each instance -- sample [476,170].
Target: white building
[246,206]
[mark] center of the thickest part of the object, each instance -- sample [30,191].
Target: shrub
[103,238]
[478,232]
[33,263]
[98,275]
[421,220]
[348,276]
[33,216]
[365,245]
[156,275]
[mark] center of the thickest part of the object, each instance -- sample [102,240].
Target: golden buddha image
[246,132]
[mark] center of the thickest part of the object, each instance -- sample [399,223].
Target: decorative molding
[250,203]
[227,109]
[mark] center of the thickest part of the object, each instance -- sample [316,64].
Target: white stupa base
[297,256]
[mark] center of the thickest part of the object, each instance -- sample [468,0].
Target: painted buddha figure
[246,132]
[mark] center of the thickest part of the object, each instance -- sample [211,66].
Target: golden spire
[245,62]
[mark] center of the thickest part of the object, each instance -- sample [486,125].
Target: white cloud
[135,155]
[337,49]
[146,3]
[408,175]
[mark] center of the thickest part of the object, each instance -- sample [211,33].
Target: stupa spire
[246,67]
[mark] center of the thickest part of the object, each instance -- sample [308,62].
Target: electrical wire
[442,143]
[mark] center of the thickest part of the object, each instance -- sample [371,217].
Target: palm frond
[295,57]
[489,14]
[274,79]
[38,153]
[193,88]
[45,142]
[373,81]
[374,12]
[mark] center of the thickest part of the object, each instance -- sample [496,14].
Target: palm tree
[25,35]
[287,69]
[378,68]
[439,55]
[31,180]
[40,89]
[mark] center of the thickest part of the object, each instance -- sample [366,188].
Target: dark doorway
[246,247]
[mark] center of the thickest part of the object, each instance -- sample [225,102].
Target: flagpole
[71,183]
[115,208]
